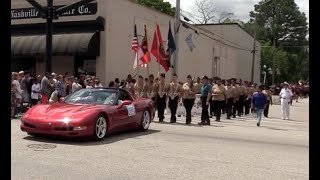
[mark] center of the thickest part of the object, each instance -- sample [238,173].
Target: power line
[208,31]
[190,26]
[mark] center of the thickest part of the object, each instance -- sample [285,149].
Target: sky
[240,8]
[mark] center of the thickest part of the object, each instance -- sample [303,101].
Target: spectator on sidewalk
[35,92]
[45,88]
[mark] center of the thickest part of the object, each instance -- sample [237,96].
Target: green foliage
[281,63]
[159,5]
[280,22]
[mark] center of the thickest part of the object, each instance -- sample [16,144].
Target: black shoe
[234,116]
[202,123]
[210,116]
[160,120]
[258,124]
[218,120]
[228,118]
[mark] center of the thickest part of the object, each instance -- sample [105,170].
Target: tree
[208,13]
[159,5]
[280,21]
[281,61]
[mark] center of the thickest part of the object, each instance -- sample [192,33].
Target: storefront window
[85,65]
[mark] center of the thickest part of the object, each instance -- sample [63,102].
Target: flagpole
[158,46]
[134,23]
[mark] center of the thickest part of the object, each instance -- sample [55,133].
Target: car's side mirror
[124,103]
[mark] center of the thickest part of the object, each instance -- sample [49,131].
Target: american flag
[135,43]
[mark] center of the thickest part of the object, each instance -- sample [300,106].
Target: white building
[98,37]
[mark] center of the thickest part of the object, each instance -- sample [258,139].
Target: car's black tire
[100,127]
[32,134]
[145,120]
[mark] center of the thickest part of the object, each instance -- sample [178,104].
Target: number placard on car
[131,110]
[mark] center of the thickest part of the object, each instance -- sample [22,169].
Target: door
[126,114]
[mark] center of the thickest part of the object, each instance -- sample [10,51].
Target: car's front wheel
[100,127]
[145,121]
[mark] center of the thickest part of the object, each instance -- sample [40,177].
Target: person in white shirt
[97,83]
[75,85]
[54,97]
[15,77]
[35,92]
[89,85]
[285,95]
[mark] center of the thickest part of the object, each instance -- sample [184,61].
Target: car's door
[126,114]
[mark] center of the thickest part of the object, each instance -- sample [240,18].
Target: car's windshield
[92,96]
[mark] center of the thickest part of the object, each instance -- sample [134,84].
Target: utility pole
[49,17]
[49,13]
[253,54]
[176,38]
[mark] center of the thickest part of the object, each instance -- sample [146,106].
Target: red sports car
[90,113]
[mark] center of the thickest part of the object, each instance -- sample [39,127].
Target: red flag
[144,46]
[158,50]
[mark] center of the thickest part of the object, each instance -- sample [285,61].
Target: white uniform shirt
[35,87]
[285,93]
[19,90]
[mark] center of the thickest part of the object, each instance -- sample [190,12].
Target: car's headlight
[65,120]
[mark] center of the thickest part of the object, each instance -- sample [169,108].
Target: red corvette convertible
[90,113]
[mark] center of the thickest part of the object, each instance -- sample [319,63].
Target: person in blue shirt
[205,99]
[259,102]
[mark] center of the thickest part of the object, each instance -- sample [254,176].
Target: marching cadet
[268,94]
[174,97]
[212,112]
[253,89]
[189,96]
[247,95]
[163,89]
[140,90]
[152,88]
[241,98]
[205,99]
[197,86]
[230,91]
[130,85]
[224,109]
[218,98]
[235,96]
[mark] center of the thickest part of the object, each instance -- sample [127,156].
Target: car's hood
[61,110]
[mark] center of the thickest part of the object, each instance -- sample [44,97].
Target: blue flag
[171,46]
[189,41]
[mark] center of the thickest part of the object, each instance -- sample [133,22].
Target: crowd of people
[232,97]
[27,91]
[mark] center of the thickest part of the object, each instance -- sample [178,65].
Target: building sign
[28,13]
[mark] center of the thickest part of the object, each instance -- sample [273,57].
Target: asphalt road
[232,149]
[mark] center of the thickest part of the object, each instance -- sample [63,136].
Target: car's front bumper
[56,129]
